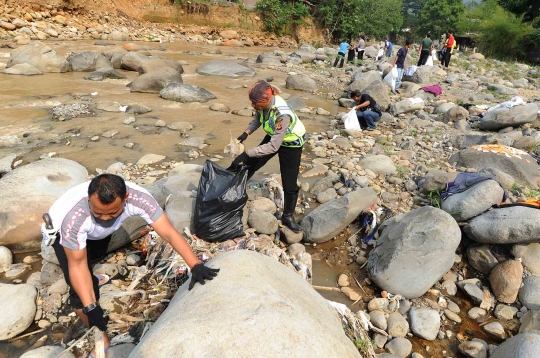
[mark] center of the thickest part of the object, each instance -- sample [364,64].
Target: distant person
[425,50]
[343,48]
[367,110]
[449,48]
[399,62]
[361,47]
[351,54]
[388,47]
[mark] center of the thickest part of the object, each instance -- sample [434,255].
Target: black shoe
[288,221]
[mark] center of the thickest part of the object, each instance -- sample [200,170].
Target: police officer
[285,136]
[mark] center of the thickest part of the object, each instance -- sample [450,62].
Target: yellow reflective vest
[296,132]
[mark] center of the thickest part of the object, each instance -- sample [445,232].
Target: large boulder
[158,63]
[509,117]
[105,73]
[131,61]
[28,192]
[22,69]
[368,77]
[329,219]
[301,83]
[48,352]
[379,92]
[523,345]
[155,81]
[185,93]
[40,56]
[414,251]
[420,76]
[305,56]
[510,225]
[225,68]
[88,61]
[261,303]
[18,304]
[521,166]
[268,59]
[406,106]
[379,164]
[530,322]
[474,201]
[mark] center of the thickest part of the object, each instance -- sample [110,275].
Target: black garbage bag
[220,202]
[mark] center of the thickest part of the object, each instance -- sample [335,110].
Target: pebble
[129,120]
[495,329]
[452,316]
[477,313]
[343,280]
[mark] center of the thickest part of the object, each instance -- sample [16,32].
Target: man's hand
[242,137]
[95,318]
[239,161]
[200,273]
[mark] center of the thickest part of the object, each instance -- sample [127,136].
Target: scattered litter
[500,149]
[234,147]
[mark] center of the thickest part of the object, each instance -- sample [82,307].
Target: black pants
[289,165]
[446,58]
[423,58]
[340,56]
[95,251]
[350,56]
[361,55]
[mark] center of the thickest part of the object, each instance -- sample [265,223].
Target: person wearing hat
[285,136]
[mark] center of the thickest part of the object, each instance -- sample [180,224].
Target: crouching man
[85,217]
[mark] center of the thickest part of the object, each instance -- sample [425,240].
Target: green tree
[281,17]
[440,16]
[411,13]
[346,19]
[529,9]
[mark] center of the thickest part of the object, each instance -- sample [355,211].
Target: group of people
[80,223]
[349,50]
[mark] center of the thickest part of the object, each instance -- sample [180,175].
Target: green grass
[402,172]
[435,198]
[534,194]
[363,345]
[516,187]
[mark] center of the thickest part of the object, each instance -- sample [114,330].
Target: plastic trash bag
[379,54]
[391,77]
[429,61]
[351,121]
[220,202]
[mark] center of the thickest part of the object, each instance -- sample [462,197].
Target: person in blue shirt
[343,48]
[388,47]
[399,62]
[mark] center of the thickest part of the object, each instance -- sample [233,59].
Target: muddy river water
[25,104]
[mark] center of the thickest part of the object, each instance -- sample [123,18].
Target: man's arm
[254,124]
[362,105]
[282,124]
[164,228]
[80,276]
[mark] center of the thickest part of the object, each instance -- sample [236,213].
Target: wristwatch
[90,307]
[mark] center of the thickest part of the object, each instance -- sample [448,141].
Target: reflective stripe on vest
[296,132]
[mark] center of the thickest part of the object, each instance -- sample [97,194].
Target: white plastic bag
[391,78]
[379,54]
[429,61]
[351,120]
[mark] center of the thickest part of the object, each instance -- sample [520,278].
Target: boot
[287,218]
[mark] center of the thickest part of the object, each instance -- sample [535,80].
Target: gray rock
[492,227]
[507,181]
[397,325]
[103,74]
[182,127]
[529,294]
[500,89]
[524,345]
[225,68]
[120,351]
[18,304]
[50,273]
[530,322]
[289,236]
[185,93]
[131,61]
[529,255]
[368,77]
[155,81]
[86,61]
[425,322]
[306,56]
[40,56]
[527,143]
[158,63]
[473,349]
[301,83]
[268,59]
[477,313]
[379,164]
[296,104]
[137,109]
[48,352]
[327,195]
[276,303]
[28,192]
[322,185]
[495,329]
[444,107]
[436,180]
[509,117]
[263,222]
[474,201]
[405,106]
[379,92]
[524,170]
[481,258]
[401,347]
[414,251]
[452,316]
[474,292]
[378,319]
[329,219]
[455,114]
[6,259]
[449,287]
[24,69]
[505,312]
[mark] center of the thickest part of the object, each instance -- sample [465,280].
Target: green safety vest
[296,132]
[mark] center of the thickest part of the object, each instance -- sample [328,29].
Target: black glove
[201,273]
[239,161]
[242,137]
[95,318]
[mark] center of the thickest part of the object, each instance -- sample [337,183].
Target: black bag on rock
[220,202]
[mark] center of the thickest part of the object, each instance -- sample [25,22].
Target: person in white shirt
[85,217]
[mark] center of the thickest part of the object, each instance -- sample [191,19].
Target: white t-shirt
[71,214]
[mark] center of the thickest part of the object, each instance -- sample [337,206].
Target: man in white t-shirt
[85,217]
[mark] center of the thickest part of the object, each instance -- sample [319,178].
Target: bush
[281,17]
[503,35]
